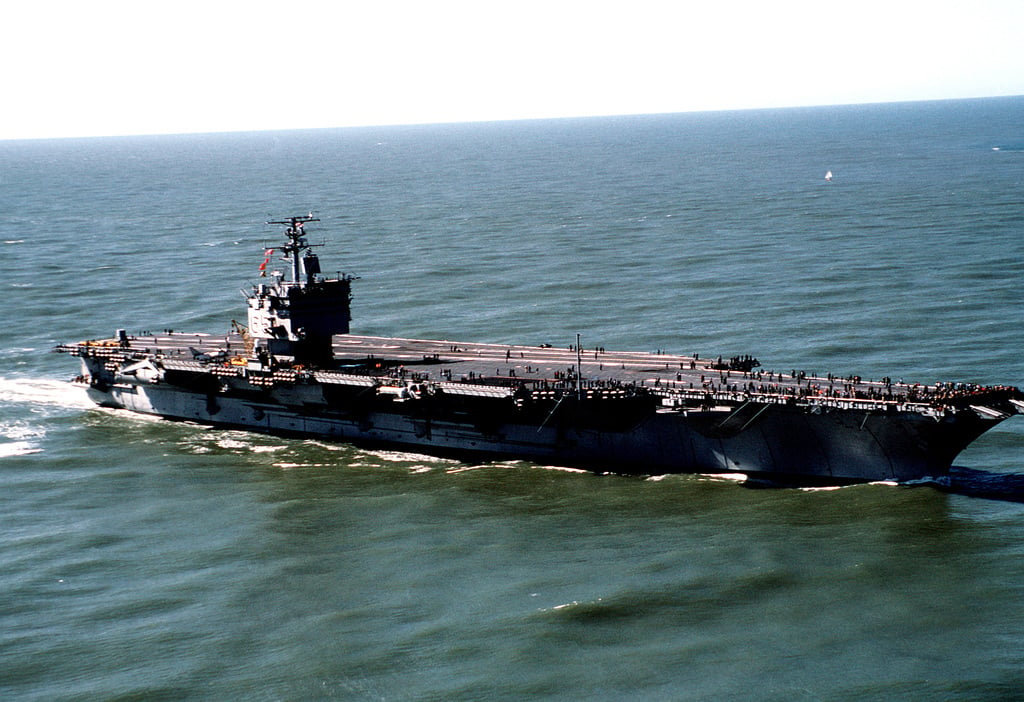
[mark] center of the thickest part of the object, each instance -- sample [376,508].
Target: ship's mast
[296,243]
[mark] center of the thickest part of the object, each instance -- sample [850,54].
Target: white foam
[730,477]
[735,477]
[18,448]
[326,445]
[408,457]
[829,488]
[20,431]
[138,416]
[465,469]
[232,444]
[302,465]
[23,438]
[267,449]
[564,469]
[43,391]
[569,605]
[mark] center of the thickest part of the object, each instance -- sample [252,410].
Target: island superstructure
[295,368]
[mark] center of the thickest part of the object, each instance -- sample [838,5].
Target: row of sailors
[914,393]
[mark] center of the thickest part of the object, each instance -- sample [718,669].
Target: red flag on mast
[263,266]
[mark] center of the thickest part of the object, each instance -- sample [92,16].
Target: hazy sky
[103,67]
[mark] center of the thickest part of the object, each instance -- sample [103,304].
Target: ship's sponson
[616,411]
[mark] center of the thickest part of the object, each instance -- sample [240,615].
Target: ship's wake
[21,433]
[43,392]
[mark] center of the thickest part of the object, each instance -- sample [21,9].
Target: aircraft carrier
[295,369]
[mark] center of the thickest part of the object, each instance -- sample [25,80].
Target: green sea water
[142,559]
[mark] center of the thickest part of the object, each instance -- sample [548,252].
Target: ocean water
[142,559]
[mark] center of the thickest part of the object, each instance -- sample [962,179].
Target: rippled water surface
[148,559]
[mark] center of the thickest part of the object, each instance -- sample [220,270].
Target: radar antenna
[296,241]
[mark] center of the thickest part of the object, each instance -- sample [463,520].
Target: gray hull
[777,441]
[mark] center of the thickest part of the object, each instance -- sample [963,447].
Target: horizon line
[498,120]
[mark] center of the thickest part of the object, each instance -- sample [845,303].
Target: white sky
[104,67]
